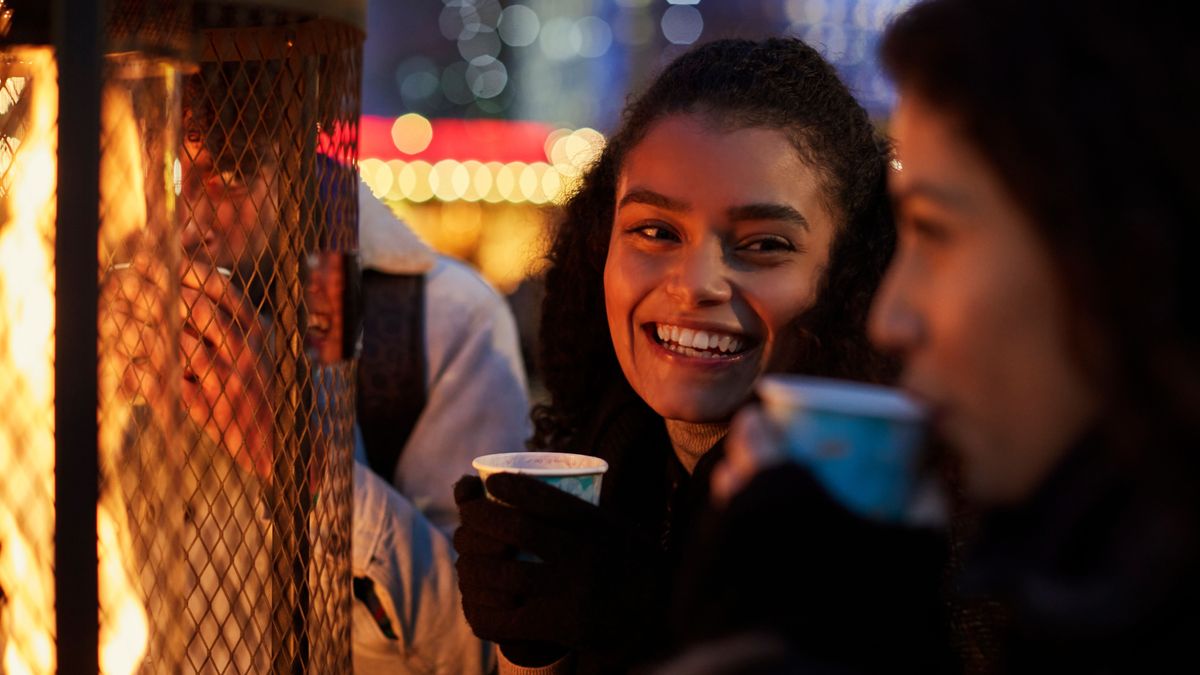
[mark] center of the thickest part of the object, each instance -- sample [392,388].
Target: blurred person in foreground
[1047,209]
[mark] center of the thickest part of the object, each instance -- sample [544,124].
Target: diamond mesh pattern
[268,203]
[141,523]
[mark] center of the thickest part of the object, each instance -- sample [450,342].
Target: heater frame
[78,30]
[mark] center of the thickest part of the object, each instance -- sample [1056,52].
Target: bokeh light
[492,171]
[422,188]
[484,44]
[554,152]
[682,24]
[412,133]
[552,184]
[486,77]
[555,38]
[568,153]
[418,82]
[479,180]
[591,37]
[452,24]
[519,26]
[393,191]
[370,169]
[506,181]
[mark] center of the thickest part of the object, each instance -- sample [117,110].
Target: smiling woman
[736,224]
[710,244]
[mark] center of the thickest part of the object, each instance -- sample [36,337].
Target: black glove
[787,558]
[597,588]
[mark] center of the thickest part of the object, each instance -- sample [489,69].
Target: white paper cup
[861,441]
[578,475]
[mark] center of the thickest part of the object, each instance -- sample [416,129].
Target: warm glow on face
[27,342]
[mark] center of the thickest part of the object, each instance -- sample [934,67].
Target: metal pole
[78,34]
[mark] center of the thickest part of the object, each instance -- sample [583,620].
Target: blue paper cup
[862,442]
[578,475]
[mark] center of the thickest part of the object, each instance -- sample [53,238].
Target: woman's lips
[935,409]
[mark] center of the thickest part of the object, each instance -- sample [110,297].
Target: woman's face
[718,243]
[972,304]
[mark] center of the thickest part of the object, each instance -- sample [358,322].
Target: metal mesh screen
[268,201]
[140,513]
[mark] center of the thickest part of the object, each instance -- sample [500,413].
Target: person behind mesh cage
[464,372]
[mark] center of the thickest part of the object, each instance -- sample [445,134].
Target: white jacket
[476,404]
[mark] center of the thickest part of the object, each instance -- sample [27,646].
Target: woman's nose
[701,276]
[896,324]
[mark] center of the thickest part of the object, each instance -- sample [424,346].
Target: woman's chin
[697,409]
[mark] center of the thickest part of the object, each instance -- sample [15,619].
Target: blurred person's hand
[136,344]
[226,372]
[752,445]
[596,587]
[862,592]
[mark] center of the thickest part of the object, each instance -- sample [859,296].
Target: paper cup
[861,441]
[578,475]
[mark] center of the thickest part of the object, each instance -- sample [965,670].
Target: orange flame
[26,366]
[27,338]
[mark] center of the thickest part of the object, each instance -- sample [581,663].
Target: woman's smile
[701,343]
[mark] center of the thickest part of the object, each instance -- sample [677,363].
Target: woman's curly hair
[778,84]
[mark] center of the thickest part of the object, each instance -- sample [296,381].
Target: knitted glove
[785,557]
[597,588]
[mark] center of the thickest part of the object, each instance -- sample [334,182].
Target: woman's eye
[656,233]
[768,245]
[925,229]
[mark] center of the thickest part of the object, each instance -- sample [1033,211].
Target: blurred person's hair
[1086,114]
[780,84]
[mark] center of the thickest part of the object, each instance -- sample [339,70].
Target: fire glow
[27,343]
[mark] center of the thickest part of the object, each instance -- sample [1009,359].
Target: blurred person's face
[972,304]
[718,243]
[323,299]
[227,215]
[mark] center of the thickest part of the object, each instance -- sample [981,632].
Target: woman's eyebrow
[780,212]
[947,196]
[652,198]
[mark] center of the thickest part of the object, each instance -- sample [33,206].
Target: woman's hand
[597,587]
[752,446]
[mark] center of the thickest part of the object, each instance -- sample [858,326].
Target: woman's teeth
[698,343]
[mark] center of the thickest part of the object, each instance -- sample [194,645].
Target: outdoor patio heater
[178,228]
